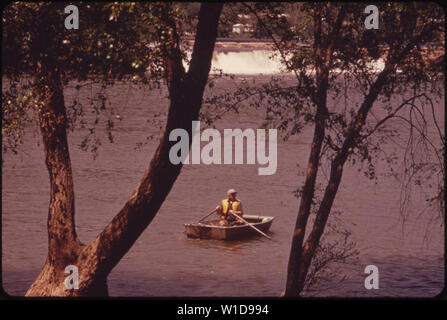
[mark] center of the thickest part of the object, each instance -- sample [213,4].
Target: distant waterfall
[246,62]
[257,62]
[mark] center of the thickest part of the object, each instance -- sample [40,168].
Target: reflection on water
[233,245]
[164,262]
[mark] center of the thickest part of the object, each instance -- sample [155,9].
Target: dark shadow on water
[249,241]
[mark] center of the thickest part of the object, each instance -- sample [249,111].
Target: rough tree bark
[97,259]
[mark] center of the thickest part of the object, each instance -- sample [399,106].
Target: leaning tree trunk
[96,260]
[302,252]
[323,57]
[306,252]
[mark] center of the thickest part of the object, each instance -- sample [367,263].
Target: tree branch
[339,160]
[392,114]
[121,233]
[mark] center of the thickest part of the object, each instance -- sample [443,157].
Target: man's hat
[231,191]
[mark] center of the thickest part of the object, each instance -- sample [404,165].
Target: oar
[252,226]
[207,215]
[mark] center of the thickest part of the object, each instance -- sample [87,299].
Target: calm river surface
[164,262]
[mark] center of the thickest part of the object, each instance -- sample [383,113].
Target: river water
[407,249]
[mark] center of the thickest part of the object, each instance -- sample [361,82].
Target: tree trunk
[337,164]
[96,260]
[301,255]
[322,61]
[324,48]
[63,244]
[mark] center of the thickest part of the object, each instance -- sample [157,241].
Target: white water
[260,62]
[246,62]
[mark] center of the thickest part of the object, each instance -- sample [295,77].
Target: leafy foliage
[361,90]
[411,94]
[114,42]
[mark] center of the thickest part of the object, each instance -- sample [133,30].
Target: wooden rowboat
[212,229]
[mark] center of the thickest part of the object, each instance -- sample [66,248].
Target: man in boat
[228,206]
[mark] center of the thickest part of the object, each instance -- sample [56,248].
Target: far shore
[240,44]
[250,44]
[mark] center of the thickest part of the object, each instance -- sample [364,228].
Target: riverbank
[241,44]
[431,51]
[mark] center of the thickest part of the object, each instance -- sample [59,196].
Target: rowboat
[212,229]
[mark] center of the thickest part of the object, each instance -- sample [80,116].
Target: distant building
[238,28]
[248,28]
[243,16]
[242,28]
